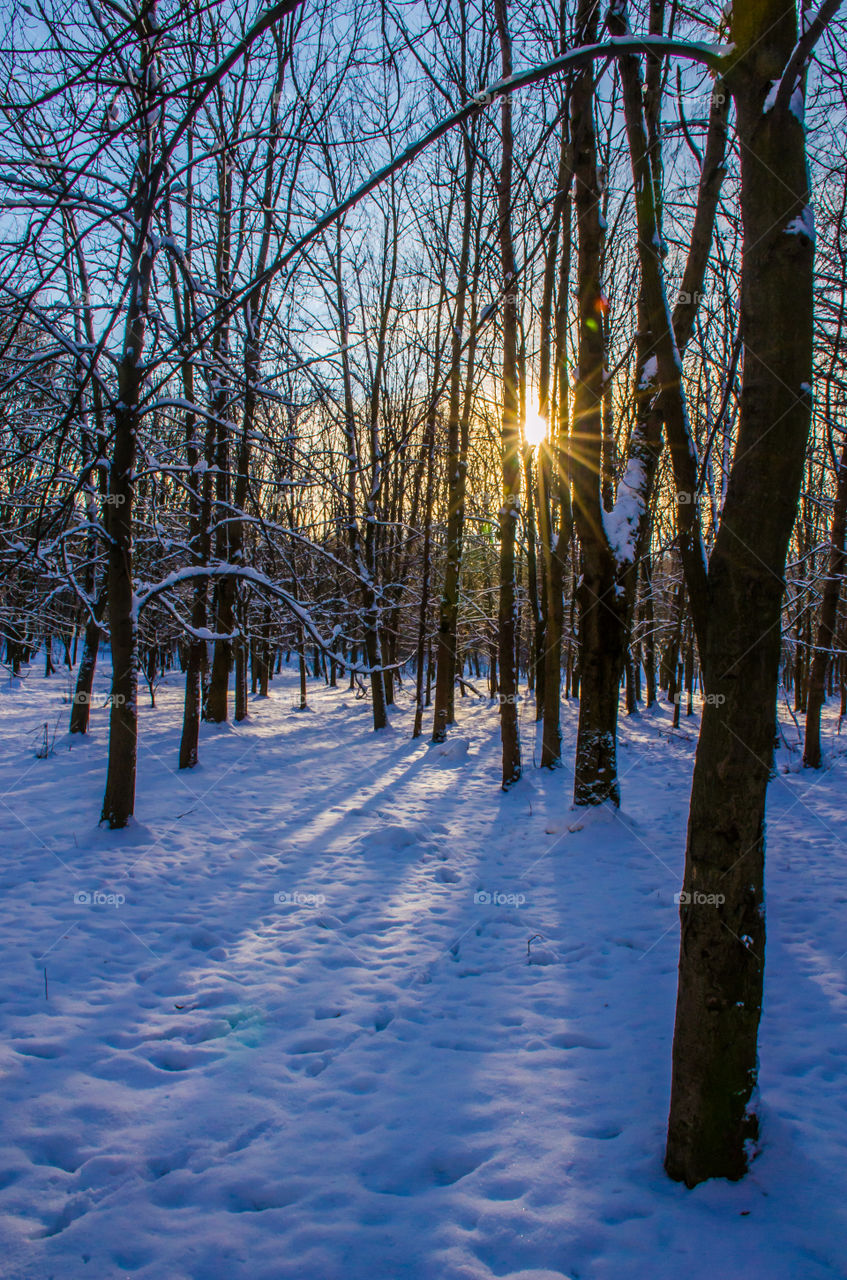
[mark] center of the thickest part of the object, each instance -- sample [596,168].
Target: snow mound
[454,751]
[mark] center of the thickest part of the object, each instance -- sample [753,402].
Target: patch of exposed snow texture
[649,373]
[334,1007]
[803,225]
[621,523]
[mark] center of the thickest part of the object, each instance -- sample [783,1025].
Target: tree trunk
[457,465]
[241,663]
[722,947]
[428,448]
[301,662]
[828,616]
[510,436]
[119,797]
[649,634]
[602,633]
[553,463]
[88,662]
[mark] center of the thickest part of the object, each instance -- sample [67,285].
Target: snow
[621,523]
[803,225]
[796,104]
[649,373]
[348,1011]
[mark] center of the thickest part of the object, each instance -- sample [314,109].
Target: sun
[535,427]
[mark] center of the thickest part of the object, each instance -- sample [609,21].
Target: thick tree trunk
[119,797]
[602,652]
[723,919]
[189,742]
[602,631]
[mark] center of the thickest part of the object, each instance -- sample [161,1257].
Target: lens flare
[535,427]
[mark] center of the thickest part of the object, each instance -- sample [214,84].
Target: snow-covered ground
[347,1012]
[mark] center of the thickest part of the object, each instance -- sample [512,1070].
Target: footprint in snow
[73,1208]
[257,1196]
[394,836]
[58,1151]
[329,1011]
[439,1168]
[174,1058]
[44,1049]
[574,1040]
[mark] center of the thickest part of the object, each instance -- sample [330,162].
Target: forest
[423,502]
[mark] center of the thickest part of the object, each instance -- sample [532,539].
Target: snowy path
[304,1046]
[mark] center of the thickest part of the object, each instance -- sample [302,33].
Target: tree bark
[510,441]
[722,946]
[457,466]
[88,662]
[602,629]
[828,617]
[119,797]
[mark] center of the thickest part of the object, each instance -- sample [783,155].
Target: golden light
[535,427]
